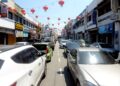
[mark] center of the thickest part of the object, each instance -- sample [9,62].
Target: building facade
[15,24]
[100,22]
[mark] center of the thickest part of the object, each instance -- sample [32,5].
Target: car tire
[78,84]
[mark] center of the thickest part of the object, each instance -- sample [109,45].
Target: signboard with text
[19,26]
[4,9]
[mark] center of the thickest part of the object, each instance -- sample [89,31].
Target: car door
[36,65]
[25,58]
[73,62]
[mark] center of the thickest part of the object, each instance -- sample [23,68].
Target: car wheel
[77,84]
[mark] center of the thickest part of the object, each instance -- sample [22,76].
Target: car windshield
[95,57]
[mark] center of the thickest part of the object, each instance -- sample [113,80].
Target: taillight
[46,50]
[14,84]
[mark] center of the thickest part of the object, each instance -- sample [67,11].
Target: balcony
[105,16]
[105,19]
[80,29]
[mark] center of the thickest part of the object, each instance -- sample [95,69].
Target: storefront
[7,36]
[106,33]
[25,33]
[19,32]
[92,35]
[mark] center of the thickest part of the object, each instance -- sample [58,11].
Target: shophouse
[20,23]
[79,26]
[116,17]
[7,26]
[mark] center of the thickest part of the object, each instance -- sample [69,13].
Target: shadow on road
[68,77]
[65,56]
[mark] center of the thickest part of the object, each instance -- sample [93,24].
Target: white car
[93,67]
[21,65]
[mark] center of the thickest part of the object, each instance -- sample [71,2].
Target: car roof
[88,49]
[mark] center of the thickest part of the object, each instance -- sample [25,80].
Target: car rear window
[40,47]
[1,63]
[95,57]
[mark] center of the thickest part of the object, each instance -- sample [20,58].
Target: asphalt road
[57,73]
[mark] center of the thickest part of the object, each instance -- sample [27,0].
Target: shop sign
[106,28]
[19,33]
[3,10]
[4,0]
[19,26]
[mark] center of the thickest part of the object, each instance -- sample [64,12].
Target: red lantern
[48,18]
[36,16]
[68,18]
[61,2]
[14,10]
[23,11]
[9,8]
[52,24]
[78,17]
[45,8]
[32,10]
[58,19]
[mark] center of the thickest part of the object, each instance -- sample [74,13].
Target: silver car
[93,67]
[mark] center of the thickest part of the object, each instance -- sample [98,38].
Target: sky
[71,9]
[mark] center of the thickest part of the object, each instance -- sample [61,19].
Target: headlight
[87,83]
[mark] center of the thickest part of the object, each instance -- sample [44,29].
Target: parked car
[50,41]
[93,67]
[70,45]
[44,48]
[62,43]
[22,43]
[21,65]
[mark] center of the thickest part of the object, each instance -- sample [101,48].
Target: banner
[4,10]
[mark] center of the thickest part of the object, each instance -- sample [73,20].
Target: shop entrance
[93,34]
[3,39]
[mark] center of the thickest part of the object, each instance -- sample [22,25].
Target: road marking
[60,71]
[59,60]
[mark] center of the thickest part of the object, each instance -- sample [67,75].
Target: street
[57,74]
